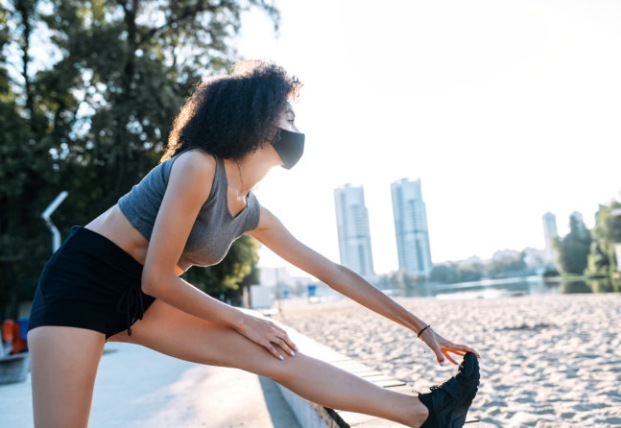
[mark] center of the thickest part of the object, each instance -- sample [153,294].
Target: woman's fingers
[274,351]
[282,340]
[462,350]
[456,351]
[467,349]
[267,334]
[277,328]
[284,346]
[291,346]
[444,348]
[450,357]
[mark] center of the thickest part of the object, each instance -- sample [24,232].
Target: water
[491,288]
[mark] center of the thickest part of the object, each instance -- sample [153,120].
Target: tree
[506,261]
[27,169]
[137,62]
[602,261]
[573,249]
[471,272]
[451,272]
[444,273]
[94,118]
[227,279]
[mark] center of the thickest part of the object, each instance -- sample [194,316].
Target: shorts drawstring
[134,305]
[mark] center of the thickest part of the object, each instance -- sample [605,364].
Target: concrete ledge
[14,368]
[311,415]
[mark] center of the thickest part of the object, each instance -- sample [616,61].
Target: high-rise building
[352,220]
[412,232]
[549,232]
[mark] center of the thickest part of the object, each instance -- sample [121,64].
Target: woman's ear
[272,133]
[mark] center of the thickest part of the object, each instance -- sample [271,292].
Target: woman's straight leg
[64,363]
[173,332]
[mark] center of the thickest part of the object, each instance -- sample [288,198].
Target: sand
[546,361]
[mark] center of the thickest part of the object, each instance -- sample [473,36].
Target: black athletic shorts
[90,282]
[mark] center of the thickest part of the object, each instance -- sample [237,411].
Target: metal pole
[278,290]
[48,221]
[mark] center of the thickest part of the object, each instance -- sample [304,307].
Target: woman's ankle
[421,413]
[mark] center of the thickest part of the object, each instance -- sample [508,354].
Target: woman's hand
[267,334]
[443,348]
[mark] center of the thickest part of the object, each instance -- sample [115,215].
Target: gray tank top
[215,228]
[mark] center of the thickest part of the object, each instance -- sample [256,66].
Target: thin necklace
[241,178]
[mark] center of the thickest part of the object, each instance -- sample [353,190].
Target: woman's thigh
[173,332]
[64,363]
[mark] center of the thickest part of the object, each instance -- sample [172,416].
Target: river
[490,288]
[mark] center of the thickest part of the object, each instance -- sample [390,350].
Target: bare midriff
[114,225]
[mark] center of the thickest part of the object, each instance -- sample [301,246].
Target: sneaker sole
[470,367]
[458,422]
[459,416]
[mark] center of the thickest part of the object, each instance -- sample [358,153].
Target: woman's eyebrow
[290,110]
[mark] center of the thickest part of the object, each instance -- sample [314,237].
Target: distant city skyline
[411,229]
[498,140]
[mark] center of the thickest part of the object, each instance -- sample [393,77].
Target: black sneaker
[448,403]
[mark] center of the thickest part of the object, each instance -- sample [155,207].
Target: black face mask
[289,146]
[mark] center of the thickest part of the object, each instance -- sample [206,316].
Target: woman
[116,279]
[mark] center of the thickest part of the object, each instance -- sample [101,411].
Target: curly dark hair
[231,115]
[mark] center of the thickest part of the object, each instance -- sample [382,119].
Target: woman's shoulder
[191,178]
[197,157]
[195,162]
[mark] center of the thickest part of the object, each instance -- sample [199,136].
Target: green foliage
[229,272]
[602,262]
[399,279]
[450,273]
[446,273]
[27,172]
[573,249]
[94,122]
[499,266]
[236,270]
[550,272]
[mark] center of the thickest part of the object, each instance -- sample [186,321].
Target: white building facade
[411,230]
[549,232]
[352,220]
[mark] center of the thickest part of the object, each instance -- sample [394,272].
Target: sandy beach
[546,361]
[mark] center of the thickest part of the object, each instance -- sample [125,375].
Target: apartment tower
[549,232]
[352,220]
[412,232]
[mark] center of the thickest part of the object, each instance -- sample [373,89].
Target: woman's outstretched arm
[272,233]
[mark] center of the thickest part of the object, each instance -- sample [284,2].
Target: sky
[505,110]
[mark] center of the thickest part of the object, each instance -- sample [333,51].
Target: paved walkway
[137,388]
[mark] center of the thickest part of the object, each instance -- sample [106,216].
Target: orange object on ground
[11,333]
[8,330]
